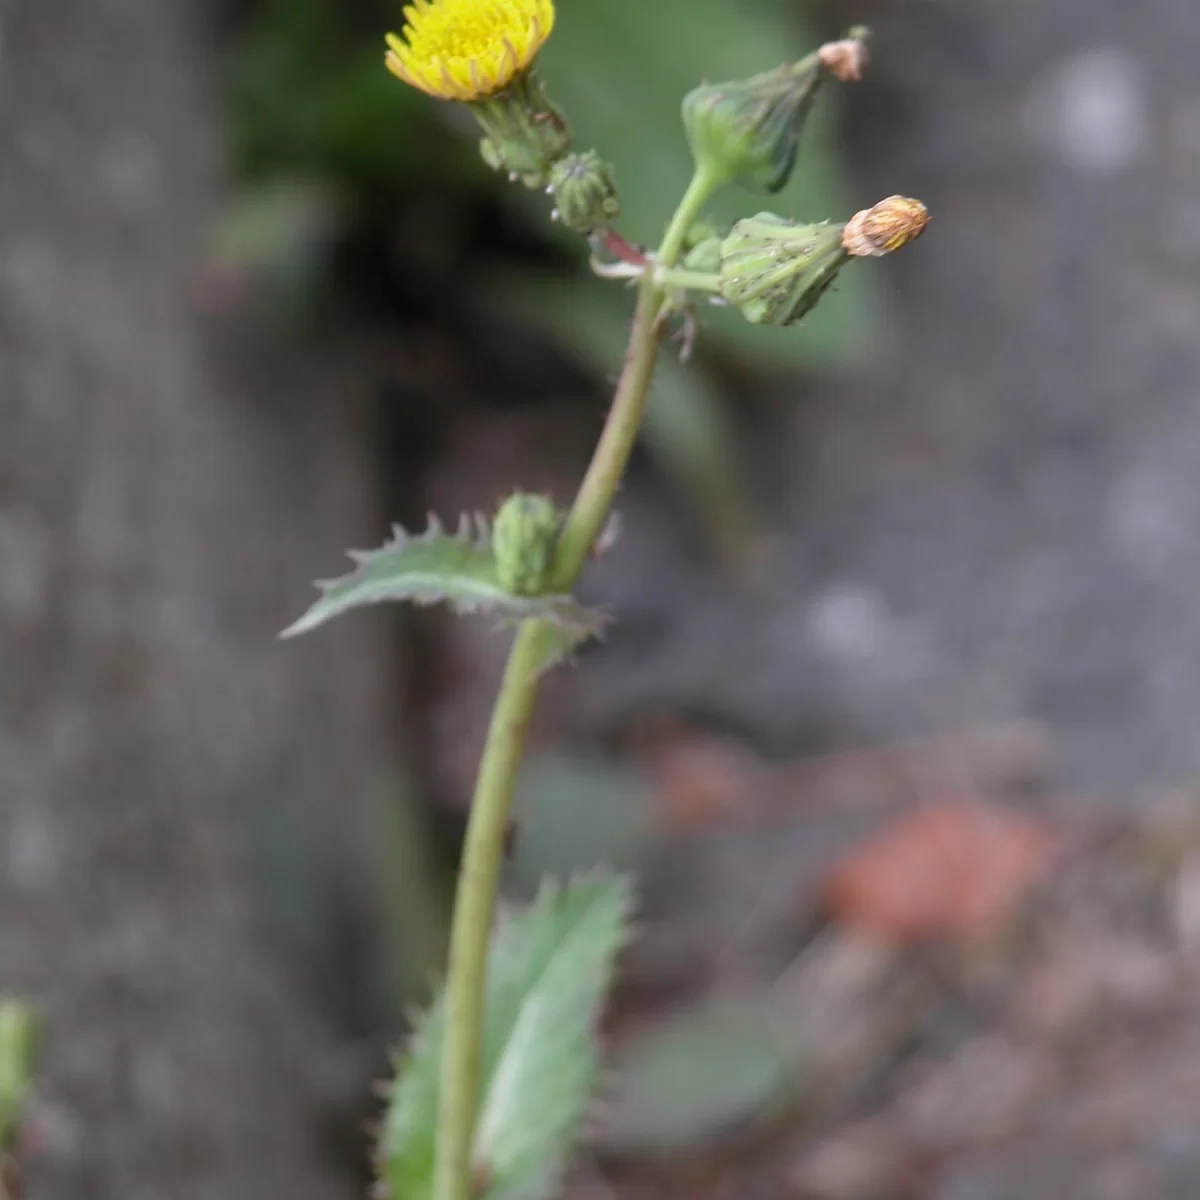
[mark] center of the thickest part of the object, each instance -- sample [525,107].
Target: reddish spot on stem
[625,251]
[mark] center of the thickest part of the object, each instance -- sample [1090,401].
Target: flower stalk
[480,53]
[483,851]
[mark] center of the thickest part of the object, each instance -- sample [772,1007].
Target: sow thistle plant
[490,1095]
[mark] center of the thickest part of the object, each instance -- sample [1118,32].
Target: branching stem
[483,852]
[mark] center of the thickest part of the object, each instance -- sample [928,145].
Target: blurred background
[897,719]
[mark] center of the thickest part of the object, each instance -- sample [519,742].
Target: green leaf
[439,567]
[548,975]
[407,1144]
[559,642]
[575,809]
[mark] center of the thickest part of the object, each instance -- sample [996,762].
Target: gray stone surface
[156,528]
[998,517]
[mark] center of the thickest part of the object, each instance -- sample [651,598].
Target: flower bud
[846,59]
[702,247]
[585,197]
[525,134]
[524,536]
[748,131]
[775,271]
[889,225]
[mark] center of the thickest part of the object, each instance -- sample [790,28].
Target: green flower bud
[775,271]
[704,257]
[585,197]
[702,247]
[701,231]
[525,134]
[748,131]
[524,536]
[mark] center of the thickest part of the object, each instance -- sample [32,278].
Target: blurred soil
[152,511]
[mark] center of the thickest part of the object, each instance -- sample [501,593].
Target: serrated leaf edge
[625,898]
[474,532]
[414,1044]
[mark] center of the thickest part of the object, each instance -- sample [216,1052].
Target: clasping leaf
[458,569]
[549,971]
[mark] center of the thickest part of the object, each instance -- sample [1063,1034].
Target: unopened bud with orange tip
[846,59]
[776,271]
[748,131]
[889,225]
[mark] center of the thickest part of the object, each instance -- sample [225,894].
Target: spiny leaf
[539,1041]
[439,567]
[407,1144]
[561,641]
[549,971]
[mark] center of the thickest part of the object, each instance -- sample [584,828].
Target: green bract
[775,271]
[525,134]
[748,131]
[585,196]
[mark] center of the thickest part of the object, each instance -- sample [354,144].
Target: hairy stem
[483,852]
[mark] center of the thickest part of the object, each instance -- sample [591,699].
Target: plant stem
[474,908]
[695,281]
[702,186]
[599,487]
[483,852]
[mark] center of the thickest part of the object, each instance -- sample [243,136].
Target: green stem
[483,852]
[474,907]
[599,487]
[694,281]
[703,184]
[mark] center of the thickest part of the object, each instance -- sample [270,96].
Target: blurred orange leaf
[958,867]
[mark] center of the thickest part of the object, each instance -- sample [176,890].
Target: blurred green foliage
[20,1045]
[699,1074]
[307,96]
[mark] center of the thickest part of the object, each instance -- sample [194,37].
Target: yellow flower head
[468,49]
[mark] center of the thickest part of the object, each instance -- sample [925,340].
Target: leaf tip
[301,625]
